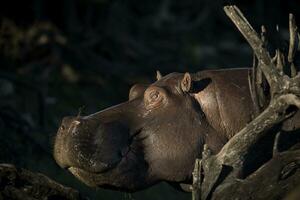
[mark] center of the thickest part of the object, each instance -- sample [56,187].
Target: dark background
[57,56]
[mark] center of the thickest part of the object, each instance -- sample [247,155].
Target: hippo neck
[203,131]
[225,100]
[226,105]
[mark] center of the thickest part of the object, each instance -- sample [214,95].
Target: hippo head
[154,136]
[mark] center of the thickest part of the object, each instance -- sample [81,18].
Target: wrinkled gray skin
[157,134]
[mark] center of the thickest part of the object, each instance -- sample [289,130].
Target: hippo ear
[158,75]
[186,82]
[199,85]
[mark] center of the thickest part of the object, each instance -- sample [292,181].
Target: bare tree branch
[21,184]
[270,71]
[293,43]
[222,171]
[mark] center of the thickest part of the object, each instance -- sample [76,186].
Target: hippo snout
[88,144]
[61,150]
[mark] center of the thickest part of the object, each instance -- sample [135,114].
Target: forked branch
[284,92]
[267,66]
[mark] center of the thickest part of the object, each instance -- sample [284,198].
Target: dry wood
[21,184]
[279,175]
[267,66]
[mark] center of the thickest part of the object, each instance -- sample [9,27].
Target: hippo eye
[153,97]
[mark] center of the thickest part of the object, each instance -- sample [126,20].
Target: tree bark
[222,173]
[21,184]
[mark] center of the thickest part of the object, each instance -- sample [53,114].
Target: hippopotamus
[159,132]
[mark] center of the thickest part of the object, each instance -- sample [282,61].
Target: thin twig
[293,44]
[276,141]
[271,73]
[196,193]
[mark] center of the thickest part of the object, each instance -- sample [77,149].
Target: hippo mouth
[104,166]
[86,174]
[102,152]
[101,178]
[86,145]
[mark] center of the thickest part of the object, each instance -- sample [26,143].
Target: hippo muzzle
[99,148]
[90,145]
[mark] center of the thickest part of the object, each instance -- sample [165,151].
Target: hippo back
[226,100]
